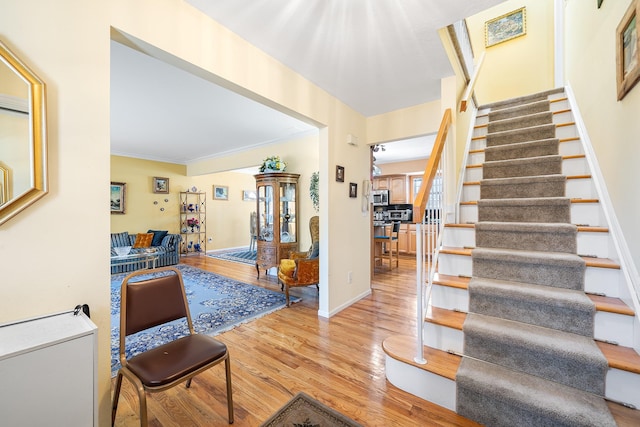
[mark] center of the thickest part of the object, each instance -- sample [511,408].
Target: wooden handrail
[468,93]
[421,199]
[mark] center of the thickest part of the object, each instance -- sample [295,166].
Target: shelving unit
[193,223]
[277,206]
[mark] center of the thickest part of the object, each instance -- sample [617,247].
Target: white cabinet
[48,368]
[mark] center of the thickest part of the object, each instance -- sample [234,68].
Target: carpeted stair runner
[518,150]
[501,397]
[529,354]
[526,186]
[527,236]
[551,209]
[567,358]
[562,309]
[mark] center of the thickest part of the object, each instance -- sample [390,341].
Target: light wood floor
[339,361]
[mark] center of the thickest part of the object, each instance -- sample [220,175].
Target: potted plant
[273,164]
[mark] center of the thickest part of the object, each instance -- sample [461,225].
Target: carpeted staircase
[529,353]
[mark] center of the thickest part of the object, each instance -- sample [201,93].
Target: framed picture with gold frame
[627,52]
[505,27]
[220,192]
[160,185]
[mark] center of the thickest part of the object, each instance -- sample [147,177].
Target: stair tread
[602,303]
[591,261]
[402,348]
[583,228]
[619,357]
[567,177]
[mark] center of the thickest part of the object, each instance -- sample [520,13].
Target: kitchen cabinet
[277,227]
[397,186]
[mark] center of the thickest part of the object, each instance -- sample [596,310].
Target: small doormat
[304,411]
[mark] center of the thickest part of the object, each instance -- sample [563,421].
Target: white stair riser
[590,243]
[559,105]
[575,188]
[564,117]
[595,243]
[599,280]
[608,326]
[623,386]
[478,144]
[421,383]
[449,298]
[459,237]
[563,132]
[475,158]
[570,148]
[479,131]
[614,327]
[620,385]
[581,188]
[443,338]
[470,192]
[570,167]
[576,166]
[581,214]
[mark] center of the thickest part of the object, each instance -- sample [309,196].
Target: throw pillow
[158,235]
[143,240]
[314,252]
[120,239]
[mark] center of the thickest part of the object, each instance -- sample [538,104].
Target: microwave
[380,197]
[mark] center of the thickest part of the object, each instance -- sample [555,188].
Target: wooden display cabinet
[277,207]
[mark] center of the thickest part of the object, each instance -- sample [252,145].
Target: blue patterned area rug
[244,256]
[217,304]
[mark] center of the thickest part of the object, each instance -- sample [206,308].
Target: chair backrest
[396,229]
[253,223]
[152,302]
[314,228]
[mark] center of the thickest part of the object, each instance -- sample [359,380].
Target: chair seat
[169,362]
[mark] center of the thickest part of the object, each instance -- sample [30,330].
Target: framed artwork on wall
[627,53]
[220,192]
[353,189]
[160,185]
[118,193]
[505,27]
[249,195]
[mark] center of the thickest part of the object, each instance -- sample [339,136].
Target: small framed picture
[627,51]
[118,190]
[249,195]
[340,173]
[353,189]
[220,192]
[505,27]
[160,185]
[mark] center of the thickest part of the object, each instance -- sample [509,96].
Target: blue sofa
[166,245]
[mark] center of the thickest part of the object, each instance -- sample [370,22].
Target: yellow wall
[613,126]
[405,123]
[519,66]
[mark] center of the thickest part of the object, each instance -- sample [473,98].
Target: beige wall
[613,126]
[519,66]
[55,254]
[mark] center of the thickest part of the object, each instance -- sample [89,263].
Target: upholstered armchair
[302,268]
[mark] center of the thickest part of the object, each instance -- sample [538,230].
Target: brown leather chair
[152,302]
[302,268]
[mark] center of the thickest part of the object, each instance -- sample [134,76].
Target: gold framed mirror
[23,142]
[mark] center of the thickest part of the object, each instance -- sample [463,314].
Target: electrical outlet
[210,240]
[349,276]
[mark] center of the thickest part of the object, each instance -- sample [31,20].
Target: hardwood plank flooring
[339,361]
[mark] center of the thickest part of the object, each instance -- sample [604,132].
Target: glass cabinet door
[288,212]
[265,213]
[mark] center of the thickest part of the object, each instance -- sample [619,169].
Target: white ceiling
[374,55]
